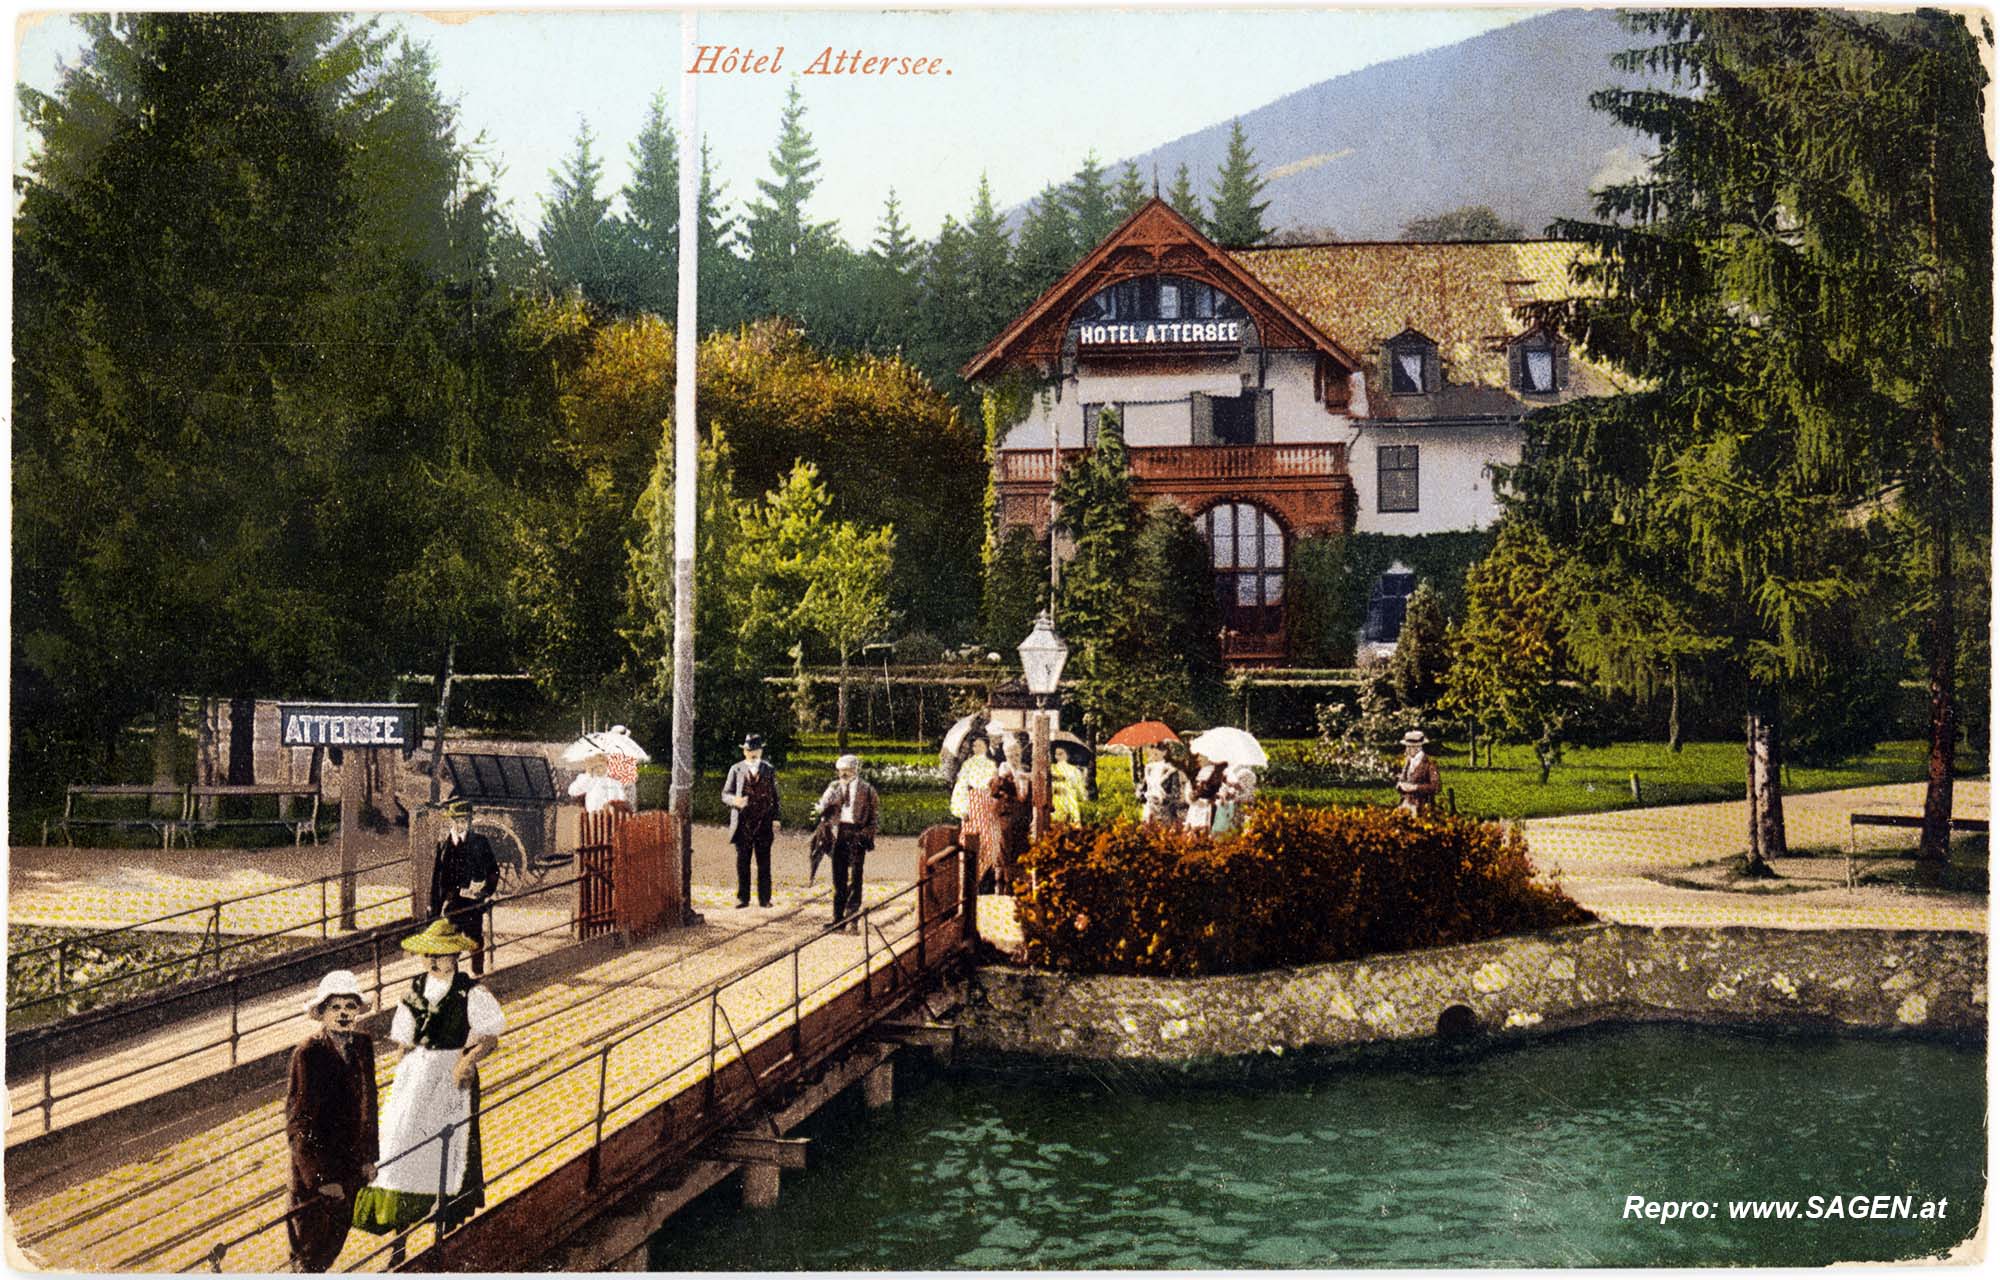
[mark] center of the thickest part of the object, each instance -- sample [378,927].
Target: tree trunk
[166,751]
[1764,785]
[443,715]
[840,708]
[1934,848]
[242,750]
[1674,706]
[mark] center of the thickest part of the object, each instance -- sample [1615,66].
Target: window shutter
[1201,426]
[1264,427]
[1090,412]
[1516,377]
[1387,368]
[1562,365]
[1432,378]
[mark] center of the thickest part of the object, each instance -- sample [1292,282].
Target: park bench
[1907,821]
[300,827]
[90,793]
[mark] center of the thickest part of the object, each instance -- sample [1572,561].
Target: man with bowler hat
[751,794]
[464,874]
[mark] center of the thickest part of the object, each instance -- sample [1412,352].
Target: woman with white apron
[446,1024]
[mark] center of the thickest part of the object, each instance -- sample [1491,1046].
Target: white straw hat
[341,982]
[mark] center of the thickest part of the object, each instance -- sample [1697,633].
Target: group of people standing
[846,814]
[1212,797]
[351,1168]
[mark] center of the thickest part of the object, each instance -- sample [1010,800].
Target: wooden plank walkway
[165,1212]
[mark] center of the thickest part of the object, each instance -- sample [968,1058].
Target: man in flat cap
[751,794]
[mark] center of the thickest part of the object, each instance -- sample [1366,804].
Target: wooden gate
[596,911]
[646,873]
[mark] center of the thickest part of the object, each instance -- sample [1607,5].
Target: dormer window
[1412,362]
[1538,363]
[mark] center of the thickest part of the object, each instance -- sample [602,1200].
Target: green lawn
[1599,780]
[1589,780]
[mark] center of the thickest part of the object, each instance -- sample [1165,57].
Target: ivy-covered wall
[1331,577]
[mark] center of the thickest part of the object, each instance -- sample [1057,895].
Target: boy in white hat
[330,1123]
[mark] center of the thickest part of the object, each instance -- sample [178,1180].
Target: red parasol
[1143,734]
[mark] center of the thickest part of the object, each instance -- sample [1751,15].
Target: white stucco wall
[1454,485]
[1296,417]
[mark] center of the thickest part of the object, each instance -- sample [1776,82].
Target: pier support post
[760,1186]
[878,1087]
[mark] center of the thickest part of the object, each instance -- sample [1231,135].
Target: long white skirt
[422,1100]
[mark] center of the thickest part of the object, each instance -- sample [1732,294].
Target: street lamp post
[1043,654]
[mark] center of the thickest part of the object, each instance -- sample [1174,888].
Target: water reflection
[1520,1158]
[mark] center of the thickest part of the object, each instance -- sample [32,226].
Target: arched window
[1247,551]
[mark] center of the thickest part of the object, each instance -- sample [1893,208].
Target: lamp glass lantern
[1043,654]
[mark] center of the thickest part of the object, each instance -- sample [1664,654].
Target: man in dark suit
[330,1123]
[849,804]
[751,794]
[464,874]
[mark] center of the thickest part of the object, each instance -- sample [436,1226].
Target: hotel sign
[348,724]
[1160,333]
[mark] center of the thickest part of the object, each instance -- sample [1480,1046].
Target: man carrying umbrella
[751,793]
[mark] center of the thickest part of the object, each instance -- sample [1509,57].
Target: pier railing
[903,937]
[239,1030]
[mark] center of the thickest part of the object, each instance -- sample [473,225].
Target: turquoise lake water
[1522,1157]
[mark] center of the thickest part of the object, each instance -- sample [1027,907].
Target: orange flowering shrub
[1299,884]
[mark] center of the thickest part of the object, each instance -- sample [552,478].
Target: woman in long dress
[994,812]
[446,1023]
[1066,787]
[1239,791]
[1162,788]
[1203,794]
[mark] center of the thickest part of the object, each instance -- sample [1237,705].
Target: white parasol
[1228,745]
[612,742]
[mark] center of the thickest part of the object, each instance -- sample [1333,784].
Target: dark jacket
[834,798]
[755,818]
[465,869]
[330,1113]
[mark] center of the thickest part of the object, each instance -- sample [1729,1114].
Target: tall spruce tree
[1185,200]
[1047,246]
[1094,611]
[1131,191]
[575,236]
[649,233]
[990,295]
[785,244]
[719,270]
[1237,220]
[1801,284]
[1089,197]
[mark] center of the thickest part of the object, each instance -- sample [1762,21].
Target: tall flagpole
[681,797]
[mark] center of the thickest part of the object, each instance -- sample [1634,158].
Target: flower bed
[1299,885]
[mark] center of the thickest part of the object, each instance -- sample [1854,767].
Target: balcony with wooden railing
[1203,464]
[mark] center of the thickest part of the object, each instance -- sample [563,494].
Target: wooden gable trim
[1154,240]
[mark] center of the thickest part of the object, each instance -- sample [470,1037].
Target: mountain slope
[1503,119]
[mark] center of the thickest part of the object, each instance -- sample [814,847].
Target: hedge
[1299,885]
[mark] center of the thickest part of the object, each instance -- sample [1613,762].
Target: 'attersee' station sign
[348,724]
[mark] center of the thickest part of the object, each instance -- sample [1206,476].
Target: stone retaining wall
[1900,980]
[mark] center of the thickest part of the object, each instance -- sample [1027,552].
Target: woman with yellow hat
[446,1024]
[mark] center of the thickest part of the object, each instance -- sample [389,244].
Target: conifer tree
[893,246]
[1184,199]
[1416,669]
[1094,509]
[575,238]
[1089,199]
[786,248]
[1131,192]
[990,291]
[1802,286]
[650,230]
[1047,246]
[720,271]
[1238,218]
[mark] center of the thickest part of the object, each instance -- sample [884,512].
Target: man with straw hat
[329,1123]
[464,874]
[446,1023]
[1418,781]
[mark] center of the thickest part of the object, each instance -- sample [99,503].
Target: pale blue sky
[1030,90]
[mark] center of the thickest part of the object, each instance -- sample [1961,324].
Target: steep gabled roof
[1461,295]
[1154,240]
